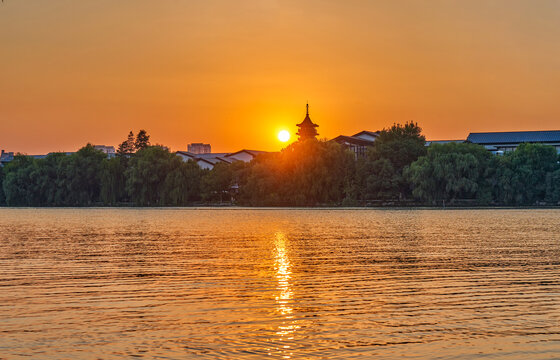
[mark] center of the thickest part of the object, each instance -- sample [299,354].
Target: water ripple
[250,283]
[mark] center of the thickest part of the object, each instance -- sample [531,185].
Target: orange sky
[233,73]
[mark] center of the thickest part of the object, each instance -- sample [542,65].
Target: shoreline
[299,208]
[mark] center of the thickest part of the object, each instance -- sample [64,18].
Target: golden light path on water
[282,268]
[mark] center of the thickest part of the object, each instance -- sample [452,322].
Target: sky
[235,73]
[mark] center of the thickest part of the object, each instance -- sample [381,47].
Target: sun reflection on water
[282,267]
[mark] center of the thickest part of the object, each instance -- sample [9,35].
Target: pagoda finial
[307,106]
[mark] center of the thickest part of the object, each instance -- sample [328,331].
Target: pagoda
[307,128]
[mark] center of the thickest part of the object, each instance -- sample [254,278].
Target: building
[207,161]
[500,142]
[358,143]
[307,129]
[6,157]
[430,142]
[109,150]
[367,135]
[245,155]
[199,148]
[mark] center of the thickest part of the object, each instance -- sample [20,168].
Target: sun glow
[284,136]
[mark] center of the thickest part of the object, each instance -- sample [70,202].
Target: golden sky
[234,73]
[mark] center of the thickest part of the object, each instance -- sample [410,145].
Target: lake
[279,283]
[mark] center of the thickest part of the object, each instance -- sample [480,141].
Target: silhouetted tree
[127,146]
[47,180]
[82,176]
[145,176]
[142,140]
[217,183]
[156,177]
[306,173]
[182,184]
[381,173]
[113,180]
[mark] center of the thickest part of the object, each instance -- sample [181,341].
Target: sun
[284,136]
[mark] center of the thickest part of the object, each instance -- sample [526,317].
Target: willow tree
[18,189]
[156,177]
[2,197]
[381,172]
[523,173]
[81,178]
[452,171]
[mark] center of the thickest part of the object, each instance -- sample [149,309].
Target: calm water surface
[236,284]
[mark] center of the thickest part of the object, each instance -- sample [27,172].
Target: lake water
[262,283]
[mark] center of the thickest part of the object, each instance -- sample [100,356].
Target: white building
[244,155]
[207,161]
[358,143]
[109,150]
[366,135]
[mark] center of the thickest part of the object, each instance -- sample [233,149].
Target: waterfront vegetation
[397,170]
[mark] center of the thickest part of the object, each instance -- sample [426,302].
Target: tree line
[398,169]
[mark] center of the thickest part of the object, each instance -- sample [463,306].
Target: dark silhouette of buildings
[307,129]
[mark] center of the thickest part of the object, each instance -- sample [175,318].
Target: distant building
[500,142]
[367,135]
[430,142]
[109,150]
[207,161]
[199,148]
[358,143]
[6,157]
[307,129]
[244,155]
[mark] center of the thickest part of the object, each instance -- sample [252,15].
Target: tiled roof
[250,152]
[225,159]
[208,161]
[365,132]
[514,137]
[429,142]
[307,122]
[210,155]
[214,158]
[257,152]
[341,139]
[186,153]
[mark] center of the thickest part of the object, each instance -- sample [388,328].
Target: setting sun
[283,136]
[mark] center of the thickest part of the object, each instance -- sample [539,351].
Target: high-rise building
[199,148]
